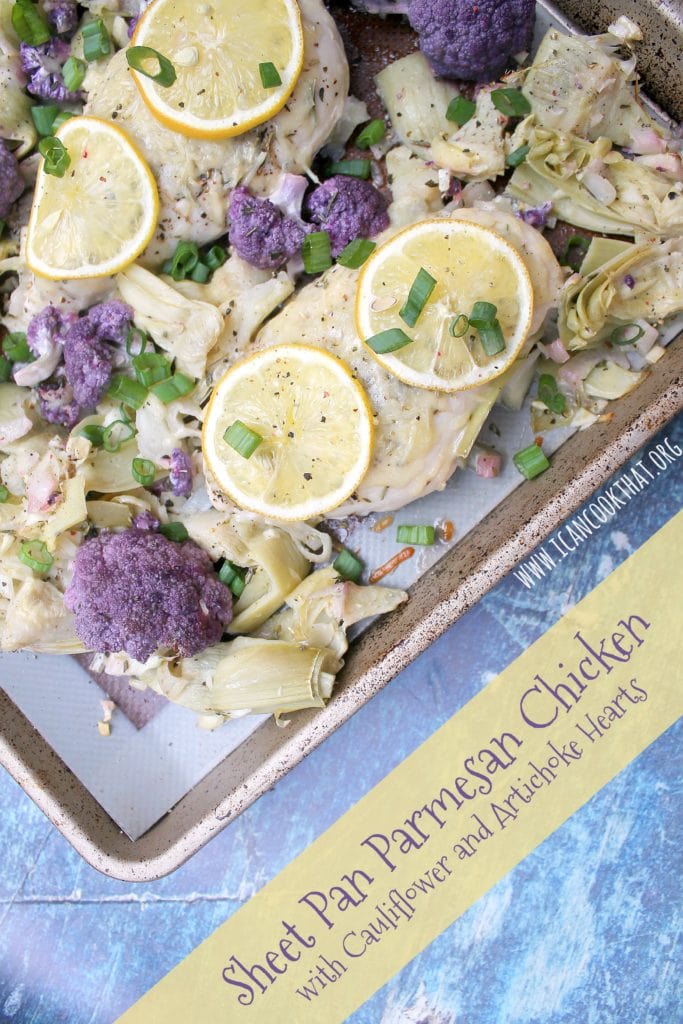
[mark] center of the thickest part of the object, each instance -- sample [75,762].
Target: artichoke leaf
[16,123]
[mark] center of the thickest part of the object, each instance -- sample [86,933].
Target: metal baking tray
[439,597]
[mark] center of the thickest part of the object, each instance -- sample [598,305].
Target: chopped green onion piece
[117,434]
[55,157]
[483,313]
[531,461]
[4,494]
[174,387]
[550,395]
[29,23]
[215,257]
[15,348]
[418,296]
[3,225]
[351,168]
[174,531]
[492,340]
[185,259]
[136,341]
[73,73]
[138,56]
[347,566]
[244,440]
[233,577]
[96,41]
[459,325]
[5,369]
[151,367]
[270,76]
[35,555]
[62,116]
[356,253]
[460,110]
[132,392]
[388,341]
[510,102]
[166,266]
[316,253]
[415,535]
[373,133]
[144,471]
[517,156]
[43,118]
[200,274]
[575,242]
[624,334]
[93,433]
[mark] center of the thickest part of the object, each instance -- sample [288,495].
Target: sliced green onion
[93,433]
[517,156]
[415,535]
[166,266]
[151,367]
[35,555]
[373,133]
[510,102]
[117,434]
[244,440]
[96,41]
[483,313]
[460,110]
[459,325]
[174,387]
[550,395]
[132,392]
[351,168]
[356,253]
[15,348]
[492,340]
[347,566]
[56,159]
[185,259]
[215,257]
[3,225]
[270,76]
[62,116]
[316,252]
[73,73]
[531,461]
[624,334]
[418,297]
[200,274]
[44,118]
[5,369]
[174,531]
[575,242]
[137,56]
[388,341]
[233,577]
[144,471]
[4,494]
[137,341]
[29,23]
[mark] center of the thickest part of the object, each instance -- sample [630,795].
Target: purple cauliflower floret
[45,335]
[260,233]
[470,40]
[62,16]
[347,208]
[57,403]
[146,521]
[43,68]
[11,182]
[180,473]
[536,216]
[139,592]
[88,355]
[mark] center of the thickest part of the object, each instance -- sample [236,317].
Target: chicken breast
[419,435]
[195,176]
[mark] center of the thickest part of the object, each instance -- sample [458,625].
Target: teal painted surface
[584,931]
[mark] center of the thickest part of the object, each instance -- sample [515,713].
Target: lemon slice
[470,264]
[315,422]
[100,216]
[217,48]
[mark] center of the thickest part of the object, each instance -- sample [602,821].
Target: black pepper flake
[308,476]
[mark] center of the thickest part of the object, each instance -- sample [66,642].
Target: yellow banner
[467,806]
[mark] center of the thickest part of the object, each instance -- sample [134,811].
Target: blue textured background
[583,931]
